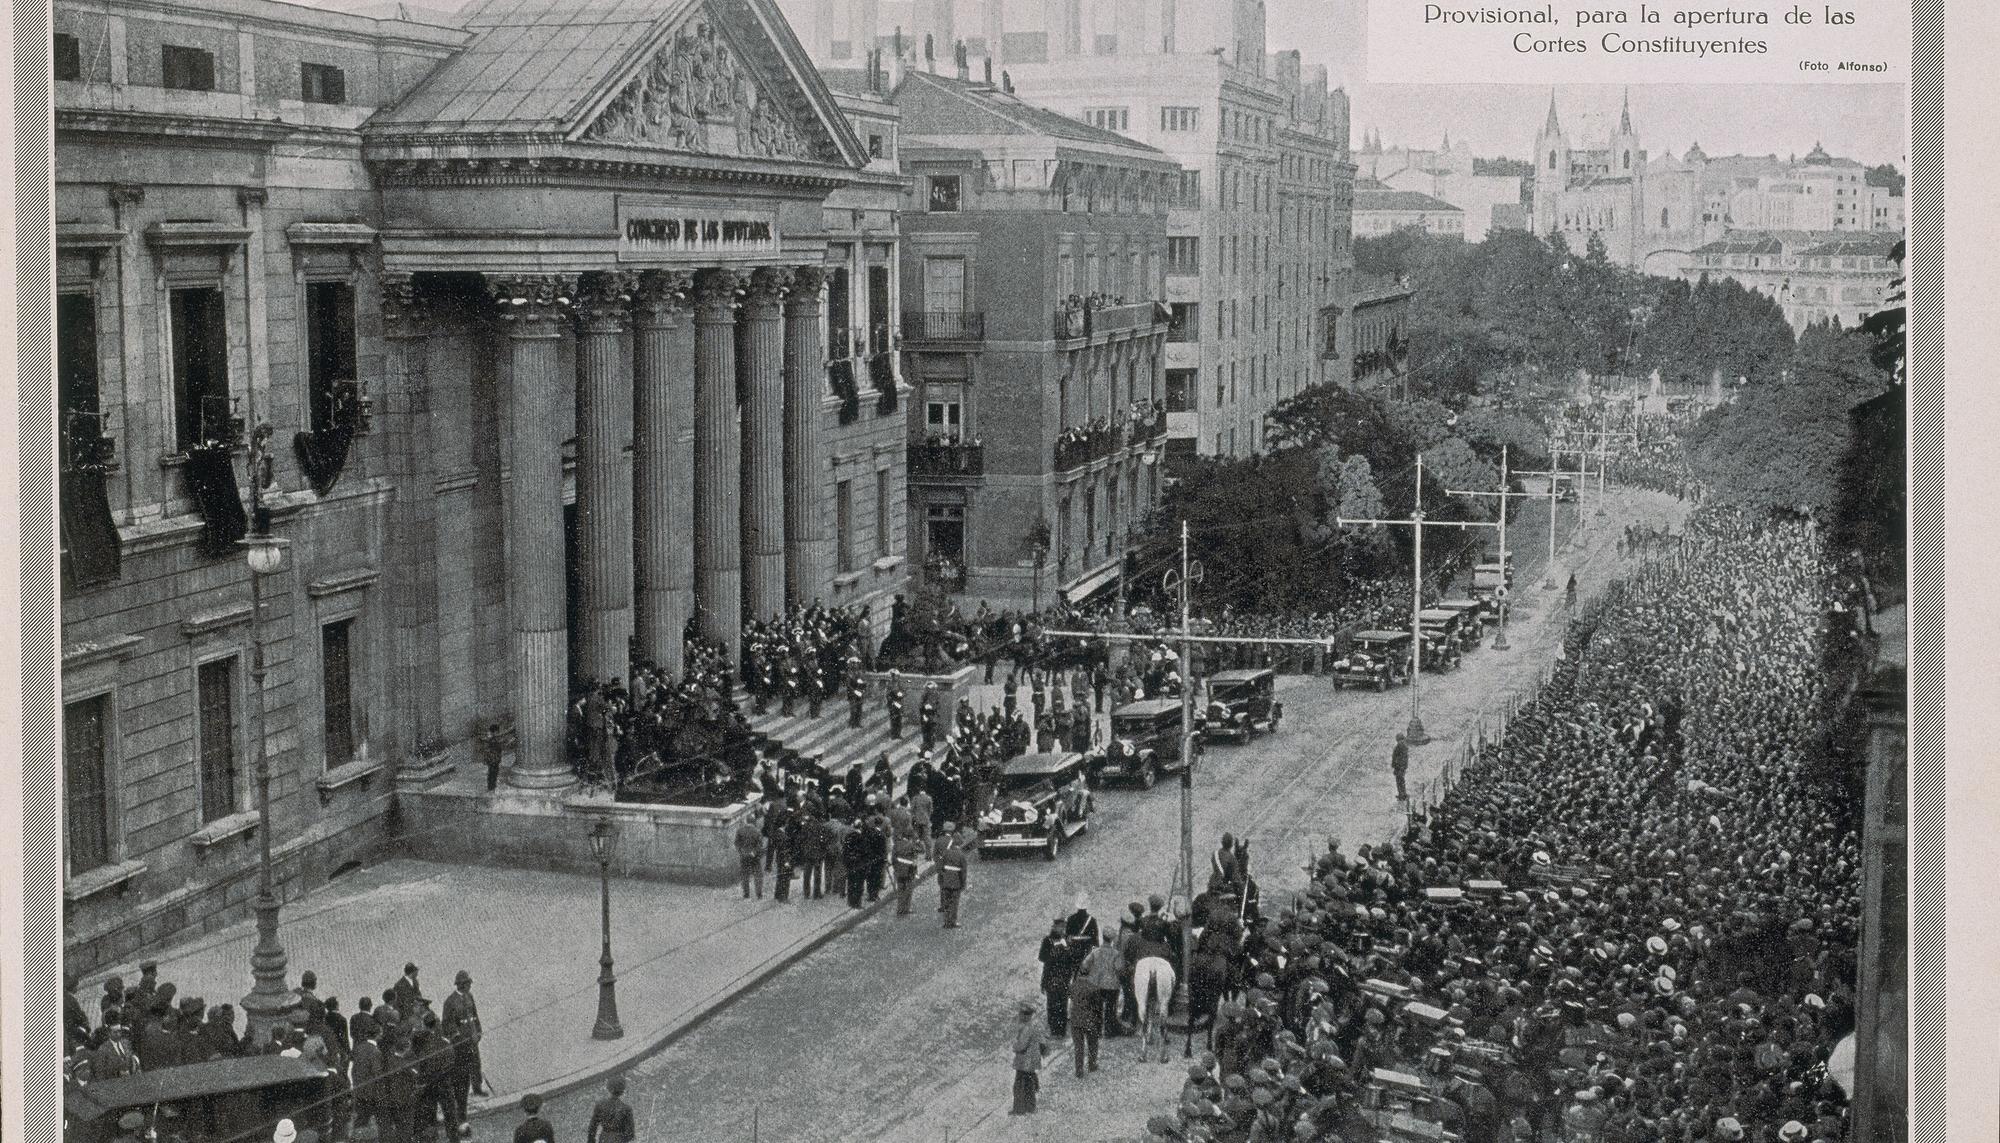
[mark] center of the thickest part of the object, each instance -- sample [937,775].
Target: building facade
[532,376]
[1381,332]
[1380,210]
[1814,276]
[1035,337]
[1450,173]
[1259,230]
[1652,213]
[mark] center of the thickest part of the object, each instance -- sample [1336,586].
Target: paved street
[898,1030]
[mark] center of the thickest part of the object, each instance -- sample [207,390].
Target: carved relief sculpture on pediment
[695,95]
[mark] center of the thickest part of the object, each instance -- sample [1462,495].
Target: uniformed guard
[951,876]
[1039,692]
[907,848]
[927,712]
[793,684]
[857,693]
[1010,701]
[895,708]
[815,690]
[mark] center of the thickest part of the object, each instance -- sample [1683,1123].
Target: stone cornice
[393,170]
[152,126]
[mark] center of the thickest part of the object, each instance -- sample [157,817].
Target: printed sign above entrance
[667,230]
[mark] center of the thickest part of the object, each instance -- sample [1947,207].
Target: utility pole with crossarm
[1500,637]
[1416,522]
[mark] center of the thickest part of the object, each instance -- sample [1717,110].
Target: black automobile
[1042,801]
[221,1099]
[1378,659]
[1145,742]
[1240,703]
[1444,638]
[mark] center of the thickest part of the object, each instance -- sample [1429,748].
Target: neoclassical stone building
[534,335]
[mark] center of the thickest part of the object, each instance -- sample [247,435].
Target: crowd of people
[686,731]
[1633,918]
[807,656]
[402,1068]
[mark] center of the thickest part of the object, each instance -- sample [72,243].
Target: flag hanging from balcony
[90,550]
[211,481]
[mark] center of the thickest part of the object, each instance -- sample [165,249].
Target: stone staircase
[830,735]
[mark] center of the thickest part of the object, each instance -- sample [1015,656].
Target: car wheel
[1055,843]
[1381,684]
[1148,774]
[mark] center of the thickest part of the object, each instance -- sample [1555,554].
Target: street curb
[481,1108]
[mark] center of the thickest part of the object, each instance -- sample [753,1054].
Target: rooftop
[1401,200]
[942,106]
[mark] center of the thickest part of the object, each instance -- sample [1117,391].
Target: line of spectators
[1634,918]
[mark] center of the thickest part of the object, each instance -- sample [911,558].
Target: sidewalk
[531,941]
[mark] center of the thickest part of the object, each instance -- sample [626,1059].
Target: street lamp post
[269,1003]
[603,840]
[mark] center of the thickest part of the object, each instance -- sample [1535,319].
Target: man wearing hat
[461,1028]
[951,875]
[611,1120]
[1031,1043]
[533,1128]
[1399,765]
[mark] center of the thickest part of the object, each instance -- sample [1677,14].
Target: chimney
[964,64]
[989,71]
[1006,82]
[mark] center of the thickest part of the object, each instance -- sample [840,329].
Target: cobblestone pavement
[899,1030]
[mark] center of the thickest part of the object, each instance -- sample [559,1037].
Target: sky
[1857,121]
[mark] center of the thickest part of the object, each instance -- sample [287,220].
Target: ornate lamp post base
[269,1004]
[608,1027]
[1415,734]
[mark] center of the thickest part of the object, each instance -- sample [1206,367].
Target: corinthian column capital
[602,300]
[715,291]
[663,295]
[768,285]
[404,308]
[531,303]
[807,282]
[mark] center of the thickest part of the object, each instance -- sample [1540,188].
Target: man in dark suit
[461,1026]
[365,1071]
[611,1120]
[951,876]
[533,1129]
[114,1058]
[855,855]
[407,995]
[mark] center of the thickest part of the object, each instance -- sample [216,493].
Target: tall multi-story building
[1451,173]
[1259,232]
[1036,255]
[515,331]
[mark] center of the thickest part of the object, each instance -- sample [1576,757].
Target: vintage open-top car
[1239,704]
[1490,575]
[1145,742]
[1446,637]
[1043,800]
[1377,659]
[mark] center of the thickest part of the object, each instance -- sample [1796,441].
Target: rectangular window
[1108,118]
[329,347]
[201,365]
[877,149]
[1106,45]
[944,532]
[1184,321]
[884,513]
[1180,118]
[215,699]
[944,194]
[69,60]
[337,687]
[944,285]
[1065,275]
[944,412]
[76,362]
[322,83]
[1183,255]
[186,69]
[1187,192]
[1181,390]
[843,522]
[86,742]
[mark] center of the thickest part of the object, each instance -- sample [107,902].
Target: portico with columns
[633,269]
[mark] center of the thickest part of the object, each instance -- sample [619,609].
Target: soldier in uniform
[815,689]
[1038,692]
[857,693]
[928,713]
[461,1027]
[895,707]
[765,680]
[1009,701]
[793,684]
[951,876]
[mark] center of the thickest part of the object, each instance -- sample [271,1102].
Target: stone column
[718,472]
[419,717]
[530,310]
[764,445]
[663,466]
[604,474]
[805,463]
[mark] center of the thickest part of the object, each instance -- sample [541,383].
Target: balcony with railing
[1149,422]
[945,457]
[1085,443]
[944,325]
[1102,314]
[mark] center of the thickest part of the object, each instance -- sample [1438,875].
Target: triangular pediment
[724,78]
